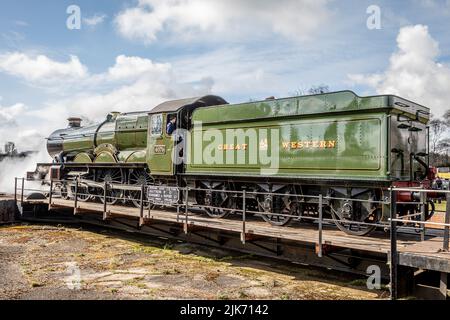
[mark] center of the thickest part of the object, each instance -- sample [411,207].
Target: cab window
[156,125]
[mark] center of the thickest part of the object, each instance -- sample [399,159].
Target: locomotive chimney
[74,122]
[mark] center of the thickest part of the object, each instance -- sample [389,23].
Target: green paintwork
[124,138]
[82,158]
[343,101]
[160,163]
[106,134]
[359,125]
[360,148]
[79,140]
[139,156]
[105,157]
[364,131]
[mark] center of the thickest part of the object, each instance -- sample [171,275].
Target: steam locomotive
[283,152]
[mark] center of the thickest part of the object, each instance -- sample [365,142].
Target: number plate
[160,149]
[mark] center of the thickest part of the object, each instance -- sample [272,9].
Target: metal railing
[184,207]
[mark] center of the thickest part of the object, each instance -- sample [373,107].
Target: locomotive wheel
[138,177]
[224,201]
[63,193]
[280,205]
[84,193]
[111,176]
[347,213]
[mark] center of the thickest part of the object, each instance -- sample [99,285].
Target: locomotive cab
[165,148]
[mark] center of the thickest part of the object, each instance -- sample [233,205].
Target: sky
[134,54]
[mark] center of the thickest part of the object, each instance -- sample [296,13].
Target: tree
[444,148]
[319,89]
[447,117]
[316,89]
[437,128]
[439,139]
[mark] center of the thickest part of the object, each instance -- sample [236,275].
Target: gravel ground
[48,262]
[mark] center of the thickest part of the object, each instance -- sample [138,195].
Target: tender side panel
[339,146]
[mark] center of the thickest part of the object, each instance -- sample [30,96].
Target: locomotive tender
[283,152]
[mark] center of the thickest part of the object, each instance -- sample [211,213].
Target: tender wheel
[217,197]
[280,206]
[112,176]
[138,177]
[348,213]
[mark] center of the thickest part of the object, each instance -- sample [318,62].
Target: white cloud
[8,114]
[414,71]
[132,83]
[14,126]
[216,20]
[41,68]
[135,67]
[144,93]
[94,20]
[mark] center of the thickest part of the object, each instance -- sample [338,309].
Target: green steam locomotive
[283,152]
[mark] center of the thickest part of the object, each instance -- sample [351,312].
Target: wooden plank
[426,262]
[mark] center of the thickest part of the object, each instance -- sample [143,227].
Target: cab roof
[175,105]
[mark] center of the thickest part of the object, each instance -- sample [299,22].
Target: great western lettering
[309,144]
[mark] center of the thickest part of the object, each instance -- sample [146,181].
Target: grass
[144,249]
[358,283]
[248,272]
[115,263]
[141,285]
[441,206]
[222,296]
[235,258]
[363,283]
[148,263]
[136,282]
[168,246]
[285,296]
[171,271]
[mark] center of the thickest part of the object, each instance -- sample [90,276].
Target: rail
[138,194]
